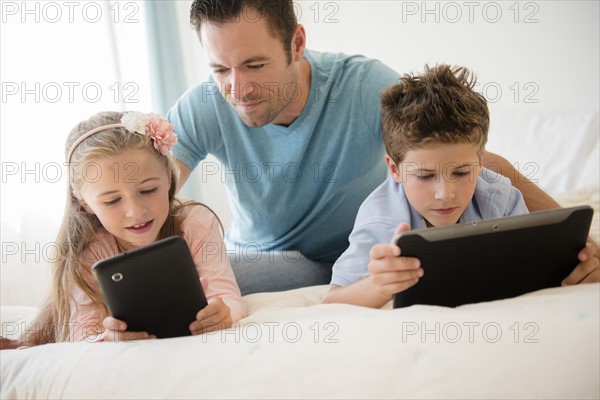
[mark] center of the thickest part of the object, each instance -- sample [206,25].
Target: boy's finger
[403,227]
[383,250]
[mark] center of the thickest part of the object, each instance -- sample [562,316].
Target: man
[298,135]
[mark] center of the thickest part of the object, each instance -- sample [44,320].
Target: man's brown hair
[439,106]
[279,15]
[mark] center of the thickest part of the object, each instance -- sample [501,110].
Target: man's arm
[535,198]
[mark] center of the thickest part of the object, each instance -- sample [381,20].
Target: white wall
[58,66]
[554,44]
[531,57]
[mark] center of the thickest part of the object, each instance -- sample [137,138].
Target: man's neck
[296,106]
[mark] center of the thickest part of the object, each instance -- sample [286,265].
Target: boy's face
[439,180]
[129,194]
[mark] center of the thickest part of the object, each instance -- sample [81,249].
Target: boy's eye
[219,71]
[256,66]
[112,202]
[424,178]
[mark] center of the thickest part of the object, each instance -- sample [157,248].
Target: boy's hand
[588,270]
[115,330]
[391,273]
[215,316]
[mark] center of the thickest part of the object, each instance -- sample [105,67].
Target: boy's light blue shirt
[296,187]
[387,207]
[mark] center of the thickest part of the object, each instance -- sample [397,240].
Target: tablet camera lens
[117,277]
[495,227]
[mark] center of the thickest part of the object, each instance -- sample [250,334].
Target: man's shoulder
[322,57]
[328,61]
[201,102]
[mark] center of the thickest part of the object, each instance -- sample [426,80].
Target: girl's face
[439,180]
[129,194]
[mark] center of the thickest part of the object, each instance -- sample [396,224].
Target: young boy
[434,128]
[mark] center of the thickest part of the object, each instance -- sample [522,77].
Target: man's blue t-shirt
[297,187]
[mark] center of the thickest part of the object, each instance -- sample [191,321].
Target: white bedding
[541,345]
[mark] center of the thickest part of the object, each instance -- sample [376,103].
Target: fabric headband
[155,127]
[87,135]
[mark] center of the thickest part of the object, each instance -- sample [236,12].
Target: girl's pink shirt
[201,231]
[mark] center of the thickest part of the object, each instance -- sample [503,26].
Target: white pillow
[558,152]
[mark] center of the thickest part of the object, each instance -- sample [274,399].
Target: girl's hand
[9,344]
[389,271]
[215,316]
[115,330]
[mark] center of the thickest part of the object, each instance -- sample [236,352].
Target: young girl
[121,195]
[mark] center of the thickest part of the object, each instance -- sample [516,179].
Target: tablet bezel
[154,288]
[520,253]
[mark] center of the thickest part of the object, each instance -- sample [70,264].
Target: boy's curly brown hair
[439,106]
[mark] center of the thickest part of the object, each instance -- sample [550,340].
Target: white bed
[541,345]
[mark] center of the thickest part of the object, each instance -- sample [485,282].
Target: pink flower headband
[154,126]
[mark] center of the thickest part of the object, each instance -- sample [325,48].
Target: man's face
[252,70]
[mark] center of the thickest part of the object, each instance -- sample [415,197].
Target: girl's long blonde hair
[79,228]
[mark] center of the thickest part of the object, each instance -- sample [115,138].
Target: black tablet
[154,288]
[494,259]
